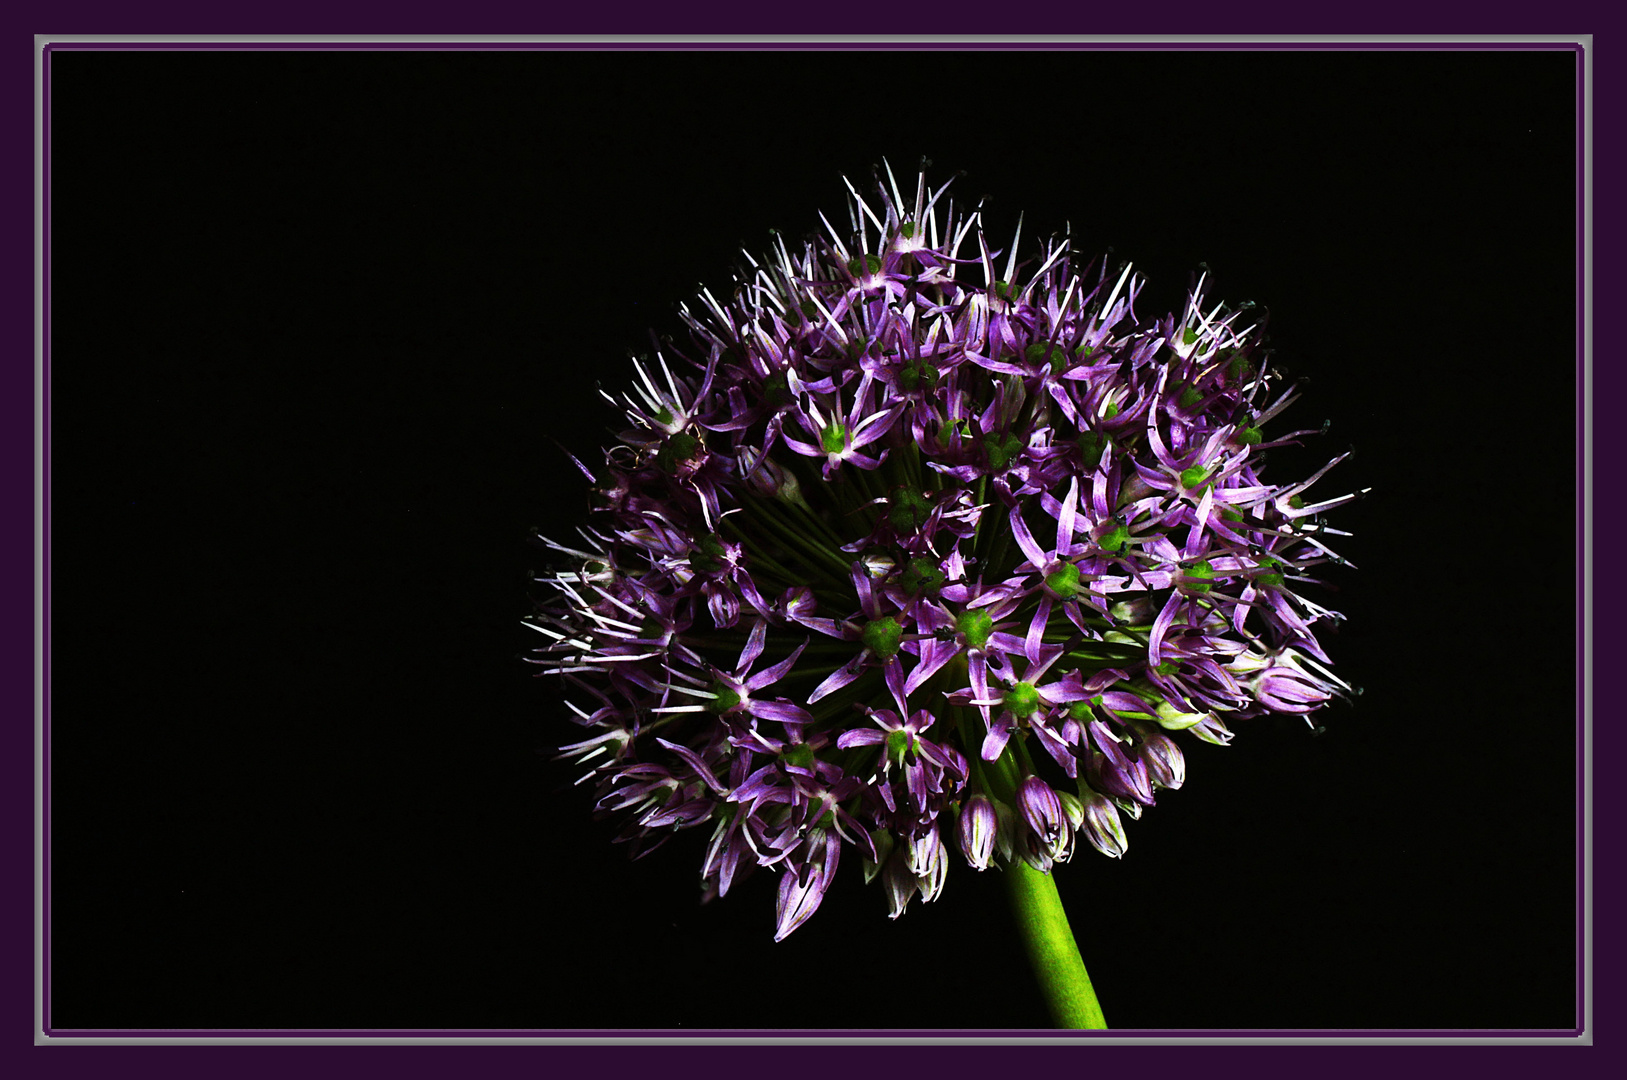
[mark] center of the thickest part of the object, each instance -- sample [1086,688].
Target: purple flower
[803,884]
[1166,765]
[976,830]
[1101,825]
[1042,812]
[907,511]
[838,436]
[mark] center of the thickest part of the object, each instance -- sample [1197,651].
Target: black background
[317,318]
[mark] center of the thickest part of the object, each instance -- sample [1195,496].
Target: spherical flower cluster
[909,555]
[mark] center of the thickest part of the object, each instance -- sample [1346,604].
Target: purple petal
[1002,642]
[724,608]
[1036,630]
[1160,627]
[1064,520]
[977,671]
[1058,749]
[934,655]
[1065,690]
[995,740]
[860,737]
[838,678]
[781,711]
[1194,536]
[754,645]
[1025,540]
[770,676]
[861,585]
[800,894]
[868,464]
[1048,655]
[695,762]
[1120,701]
[876,426]
[1130,776]
[893,673]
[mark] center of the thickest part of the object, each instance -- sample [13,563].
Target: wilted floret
[912,540]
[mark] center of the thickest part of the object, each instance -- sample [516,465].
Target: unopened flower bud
[1165,763]
[1211,729]
[1049,833]
[977,829]
[898,882]
[1102,826]
[1288,690]
[1041,809]
[1005,840]
[882,840]
[1248,662]
[768,478]
[930,864]
[1035,852]
[1172,719]
[1113,771]
[1072,808]
[1138,612]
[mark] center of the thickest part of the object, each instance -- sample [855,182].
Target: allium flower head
[920,547]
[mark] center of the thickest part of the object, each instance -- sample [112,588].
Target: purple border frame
[1583,427]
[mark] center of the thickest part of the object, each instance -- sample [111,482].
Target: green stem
[1035,906]
[1052,952]
[787,534]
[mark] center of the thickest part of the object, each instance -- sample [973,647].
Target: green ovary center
[899,744]
[1022,699]
[1065,581]
[1201,570]
[799,754]
[975,627]
[1114,540]
[723,698]
[921,575]
[882,636]
[1001,451]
